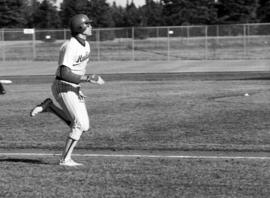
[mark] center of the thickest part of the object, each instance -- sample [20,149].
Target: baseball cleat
[41,107]
[69,162]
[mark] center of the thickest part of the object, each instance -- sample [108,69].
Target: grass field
[154,135]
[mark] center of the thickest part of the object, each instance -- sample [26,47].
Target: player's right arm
[64,73]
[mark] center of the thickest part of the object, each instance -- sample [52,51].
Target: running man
[73,58]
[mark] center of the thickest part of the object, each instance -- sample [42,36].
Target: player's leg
[48,106]
[60,113]
[76,109]
[66,155]
[42,107]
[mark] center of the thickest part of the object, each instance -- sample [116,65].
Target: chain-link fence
[241,41]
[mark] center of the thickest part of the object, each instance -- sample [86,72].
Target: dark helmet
[78,23]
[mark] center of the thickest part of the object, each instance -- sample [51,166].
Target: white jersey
[74,55]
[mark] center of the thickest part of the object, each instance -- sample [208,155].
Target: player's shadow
[21,160]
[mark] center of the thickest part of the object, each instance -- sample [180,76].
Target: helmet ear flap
[82,27]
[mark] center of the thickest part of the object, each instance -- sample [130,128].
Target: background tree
[13,13]
[70,8]
[237,11]
[132,16]
[152,13]
[98,10]
[101,13]
[263,11]
[46,16]
[182,12]
[118,13]
[31,9]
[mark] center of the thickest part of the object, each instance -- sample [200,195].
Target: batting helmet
[79,23]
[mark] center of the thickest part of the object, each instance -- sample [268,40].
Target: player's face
[88,30]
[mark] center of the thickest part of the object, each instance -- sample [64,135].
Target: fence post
[133,42]
[245,26]
[3,45]
[217,34]
[157,36]
[33,44]
[168,35]
[206,43]
[65,34]
[188,33]
[98,43]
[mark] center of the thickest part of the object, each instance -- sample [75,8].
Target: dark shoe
[41,107]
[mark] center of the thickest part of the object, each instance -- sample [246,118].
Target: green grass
[191,114]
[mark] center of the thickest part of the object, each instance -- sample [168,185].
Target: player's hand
[81,95]
[100,81]
[95,79]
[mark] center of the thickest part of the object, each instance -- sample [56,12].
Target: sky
[122,3]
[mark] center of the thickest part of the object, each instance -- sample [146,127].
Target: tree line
[44,14]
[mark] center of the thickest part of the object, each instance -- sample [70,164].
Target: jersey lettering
[82,58]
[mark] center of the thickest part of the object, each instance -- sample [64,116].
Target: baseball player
[2,89]
[73,57]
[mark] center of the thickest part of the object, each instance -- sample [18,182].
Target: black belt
[65,87]
[59,78]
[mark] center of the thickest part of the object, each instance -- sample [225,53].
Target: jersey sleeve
[67,55]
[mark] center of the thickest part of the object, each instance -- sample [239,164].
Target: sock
[70,144]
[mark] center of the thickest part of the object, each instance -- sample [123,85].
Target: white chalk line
[145,156]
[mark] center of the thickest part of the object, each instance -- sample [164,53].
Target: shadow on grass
[29,161]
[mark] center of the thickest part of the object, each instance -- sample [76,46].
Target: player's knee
[82,125]
[75,134]
[85,126]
